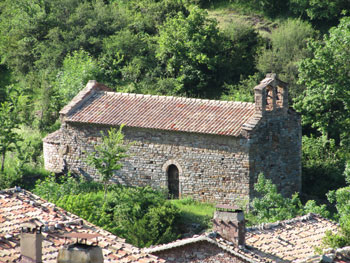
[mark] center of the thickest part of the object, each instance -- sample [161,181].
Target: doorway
[173,182]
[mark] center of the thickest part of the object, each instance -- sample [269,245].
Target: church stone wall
[276,151]
[211,168]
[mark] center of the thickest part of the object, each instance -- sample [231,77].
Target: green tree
[272,206]
[197,58]
[127,57]
[319,10]
[10,121]
[107,157]
[241,45]
[325,102]
[78,68]
[188,51]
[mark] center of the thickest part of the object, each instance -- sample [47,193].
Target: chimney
[31,241]
[79,252]
[229,223]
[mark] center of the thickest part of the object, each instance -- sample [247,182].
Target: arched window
[173,181]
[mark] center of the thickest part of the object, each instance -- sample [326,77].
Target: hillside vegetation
[49,49]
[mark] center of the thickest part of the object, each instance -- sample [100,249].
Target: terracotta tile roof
[290,240]
[17,207]
[239,253]
[286,241]
[158,112]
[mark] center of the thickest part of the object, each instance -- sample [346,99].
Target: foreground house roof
[286,241]
[19,206]
[290,240]
[230,253]
[95,104]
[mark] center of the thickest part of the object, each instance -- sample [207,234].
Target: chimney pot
[80,253]
[31,246]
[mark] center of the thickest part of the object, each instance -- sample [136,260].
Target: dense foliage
[326,99]
[271,206]
[287,47]
[341,197]
[313,10]
[140,215]
[323,164]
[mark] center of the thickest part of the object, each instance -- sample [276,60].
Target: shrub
[287,48]
[341,198]
[322,166]
[53,189]
[271,206]
[244,90]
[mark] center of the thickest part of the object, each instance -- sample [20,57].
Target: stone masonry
[214,164]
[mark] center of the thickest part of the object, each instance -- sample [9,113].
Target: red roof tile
[289,240]
[285,241]
[21,206]
[158,112]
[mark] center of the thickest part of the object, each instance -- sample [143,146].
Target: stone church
[208,149]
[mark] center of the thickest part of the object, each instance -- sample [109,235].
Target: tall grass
[195,216]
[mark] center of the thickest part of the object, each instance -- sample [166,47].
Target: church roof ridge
[171,97]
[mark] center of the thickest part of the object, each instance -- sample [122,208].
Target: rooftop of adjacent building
[292,240]
[18,206]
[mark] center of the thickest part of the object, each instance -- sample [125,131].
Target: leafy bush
[341,198]
[271,206]
[322,167]
[286,48]
[53,189]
